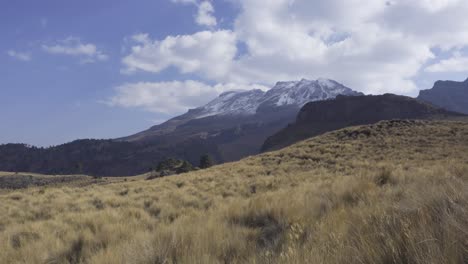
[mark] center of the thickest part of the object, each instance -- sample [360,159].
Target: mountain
[319,117]
[239,107]
[450,95]
[236,123]
[230,127]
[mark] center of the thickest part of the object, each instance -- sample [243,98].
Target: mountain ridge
[450,95]
[316,118]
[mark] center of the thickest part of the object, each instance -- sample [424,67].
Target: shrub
[206,161]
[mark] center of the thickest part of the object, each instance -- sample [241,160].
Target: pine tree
[185,167]
[206,161]
[168,164]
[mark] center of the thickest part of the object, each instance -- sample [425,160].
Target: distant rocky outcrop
[450,95]
[319,117]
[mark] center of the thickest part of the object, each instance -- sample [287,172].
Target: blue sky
[104,69]
[54,99]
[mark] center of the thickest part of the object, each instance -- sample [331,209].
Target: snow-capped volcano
[275,107]
[236,123]
[292,94]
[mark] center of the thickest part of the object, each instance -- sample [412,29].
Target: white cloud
[22,56]
[343,40]
[457,63]
[436,23]
[88,53]
[373,46]
[205,15]
[169,97]
[206,53]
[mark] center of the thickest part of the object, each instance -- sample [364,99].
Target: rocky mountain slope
[319,117]
[448,94]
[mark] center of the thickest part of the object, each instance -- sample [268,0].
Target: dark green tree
[206,161]
[168,164]
[184,167]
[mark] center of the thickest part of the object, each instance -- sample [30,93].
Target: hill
[97,157]
[316,118]
[450,95]
[392,192]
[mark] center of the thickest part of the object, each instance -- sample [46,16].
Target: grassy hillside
[21,180]
[319,117]
[393,192]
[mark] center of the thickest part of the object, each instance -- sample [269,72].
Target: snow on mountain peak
[326,82]
[240,102]
[304,91]
[292,93]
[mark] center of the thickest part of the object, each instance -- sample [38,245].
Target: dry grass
[395,192]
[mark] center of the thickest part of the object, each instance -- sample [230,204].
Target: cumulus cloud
[169,97]
[205,15]
[71,46]
[372,46]
[208,53]
[22,56]
[358,42]
[457,63]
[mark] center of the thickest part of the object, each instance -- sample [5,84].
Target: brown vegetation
[393,192]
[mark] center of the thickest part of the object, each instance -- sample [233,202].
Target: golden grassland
[393,192]
[20,180]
